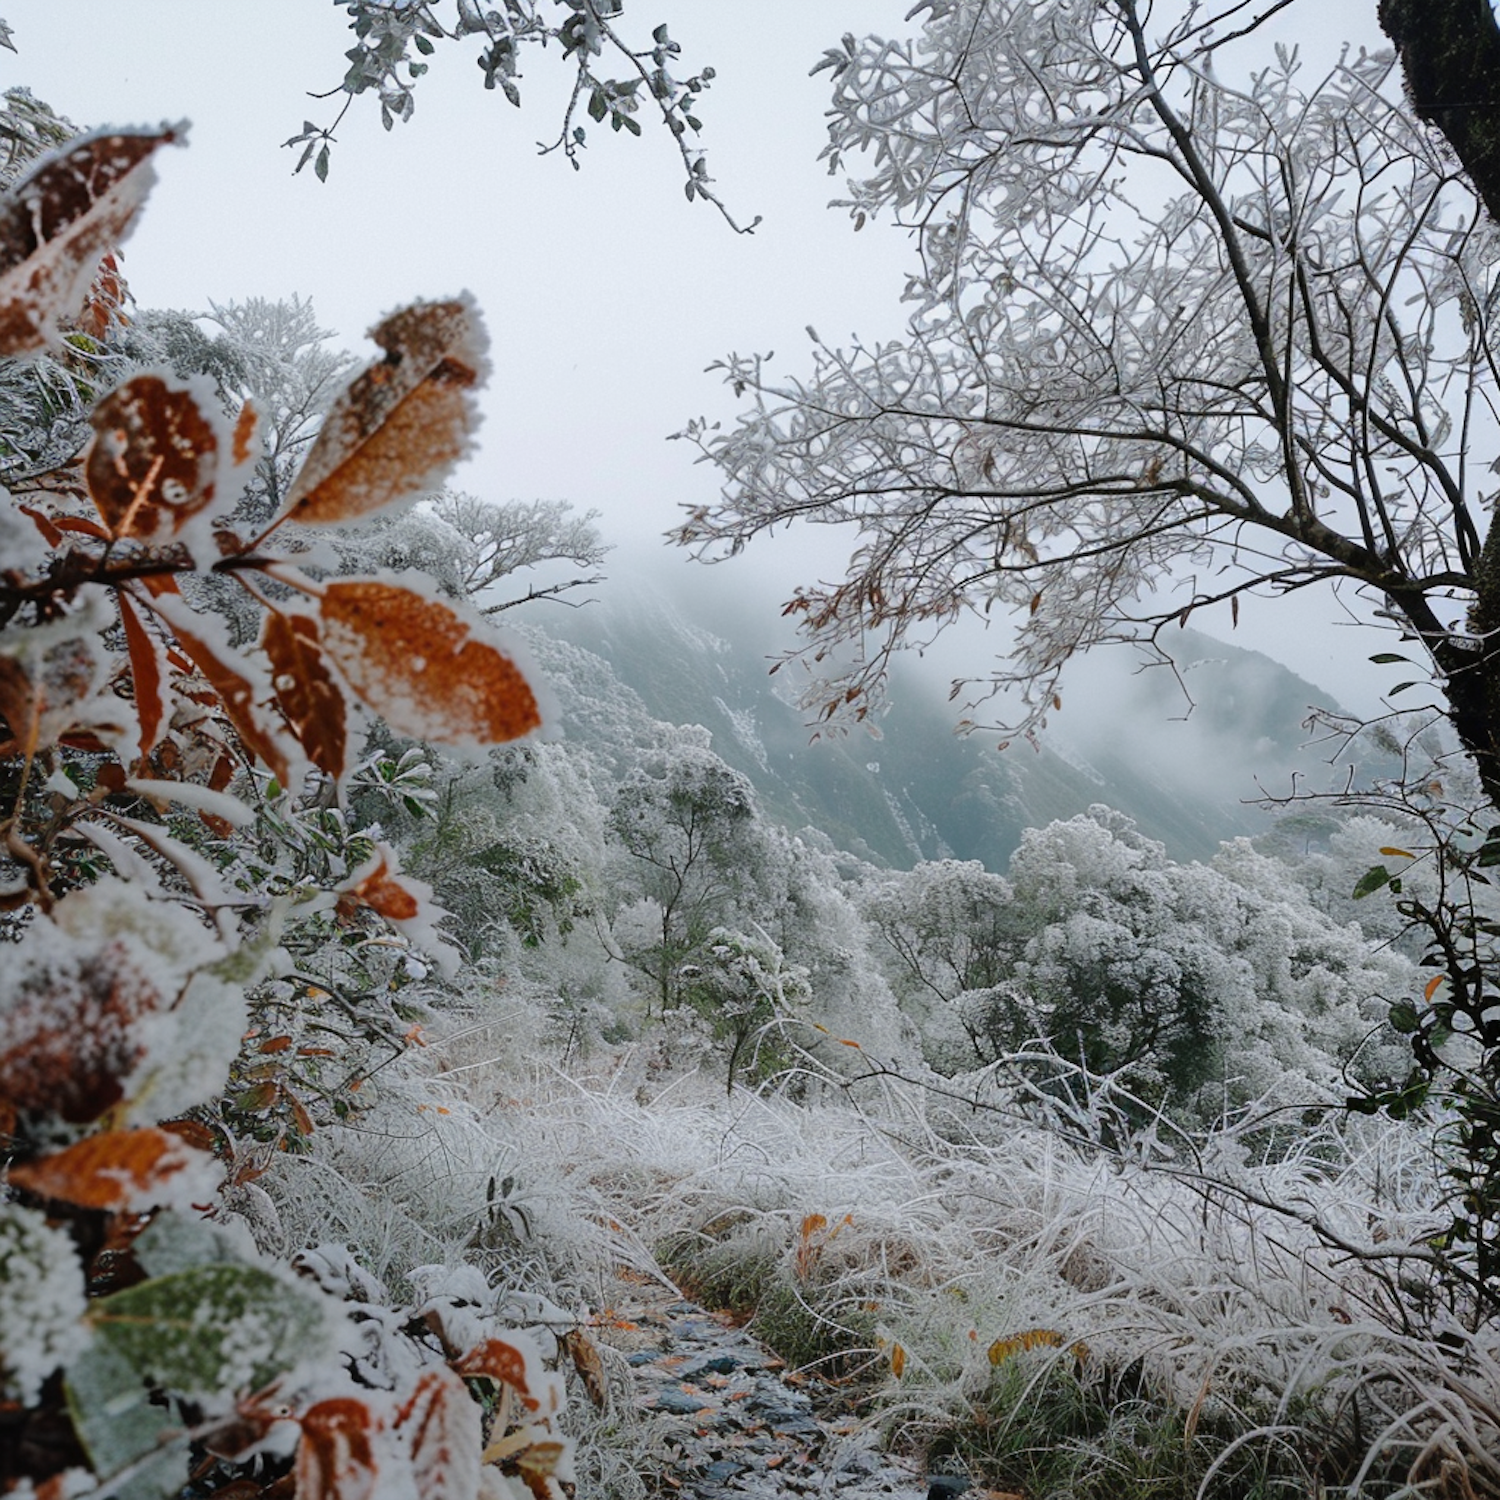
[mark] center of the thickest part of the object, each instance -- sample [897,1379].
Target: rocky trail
[722,1420]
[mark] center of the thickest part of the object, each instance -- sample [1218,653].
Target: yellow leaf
[1398,853]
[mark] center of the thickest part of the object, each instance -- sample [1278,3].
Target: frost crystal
[41,1302]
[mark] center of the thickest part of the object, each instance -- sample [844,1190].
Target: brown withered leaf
[336,1456]
[398,427]
[440,1424]
[380,891]
[117,1170]
[311,699]
[59,221]
[429,670]
[20,709]
[156,457]
[584,1353]
[232,681]
[145,674]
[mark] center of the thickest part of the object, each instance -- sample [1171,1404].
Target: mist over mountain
[1188,756]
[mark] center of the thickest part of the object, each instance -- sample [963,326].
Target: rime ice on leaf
[54,680]
[124,1171]
[99,1002]
[399,427]
[164,453]
[59,222]
[406,903]
[306,690]
[430,668]
[41,1302]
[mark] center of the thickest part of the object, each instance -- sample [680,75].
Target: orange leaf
[336,1458]
[158,456]
[441,1424]
[898,1360]
[380,891]
[118,1170]
[495,1359]
[59,221]
[399,427]
[145,674]
[20,707]
[428,669]
[590,1366]
[309,697]
[231,680]
[1433,985]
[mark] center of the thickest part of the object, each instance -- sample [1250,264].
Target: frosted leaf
[125,1171]
[26,552]
[212,1331]
[89,1007]
[399,427]
[166,461]
[405,902]
[71,209]
[431,668]
[41,1302]
[54,678]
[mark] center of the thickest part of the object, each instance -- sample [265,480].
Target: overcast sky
[606,293]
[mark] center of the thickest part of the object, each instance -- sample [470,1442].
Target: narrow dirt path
[722,1421]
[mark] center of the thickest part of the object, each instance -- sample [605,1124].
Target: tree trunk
[1450,53]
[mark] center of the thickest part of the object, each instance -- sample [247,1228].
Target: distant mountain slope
[922,792]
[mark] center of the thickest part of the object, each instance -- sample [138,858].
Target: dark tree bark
[1450,53]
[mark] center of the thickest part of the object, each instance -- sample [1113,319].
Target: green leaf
[629,124]
[214,1330]
[1384,658]
[598,105]
[122,1430]
[1371,881]
[320,166]
[424,45]
[1404,1017]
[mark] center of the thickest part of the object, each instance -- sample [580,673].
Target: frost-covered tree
[948,930]
[1183,329]
[1207,986]
[689,826]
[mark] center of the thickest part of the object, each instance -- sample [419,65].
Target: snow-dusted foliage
[204,954]
[1187,322]
[594,40]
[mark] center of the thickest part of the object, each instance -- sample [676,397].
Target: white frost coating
[25,550]
[110,985]
[43,1301]
[53,282]
[67,661]
[189,1051]
[199,798]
